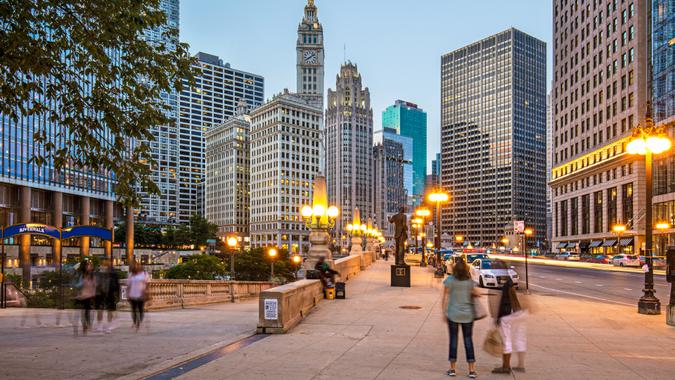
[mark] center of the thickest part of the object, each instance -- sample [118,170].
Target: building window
[597,212]
[611,208]
[575,215]
[586,214]
[563,218]
[627,200]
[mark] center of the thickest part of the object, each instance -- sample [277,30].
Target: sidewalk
[369,336]
[48,351]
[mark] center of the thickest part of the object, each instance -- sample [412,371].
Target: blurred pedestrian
[458,301]
[107,295]
[137,293]
[326,273]
[511,319]
[86,294]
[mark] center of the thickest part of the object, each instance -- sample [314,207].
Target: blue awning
[609,243]
[595,244]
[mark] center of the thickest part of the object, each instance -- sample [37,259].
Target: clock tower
[310,57]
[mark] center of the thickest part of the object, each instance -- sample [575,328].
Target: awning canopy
[583,245]
[609,243]
[595,244]
[626,242]
[562,245]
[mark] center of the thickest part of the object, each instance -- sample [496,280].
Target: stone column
[130,235]
[108,245]
[85,204]
[24,240]
[57,221]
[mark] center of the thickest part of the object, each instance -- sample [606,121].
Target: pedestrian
[86,294]
[326,273]
[108,295]
[137,292]
[511,320]
[458,296]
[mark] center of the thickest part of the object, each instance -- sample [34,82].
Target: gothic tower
[310,57]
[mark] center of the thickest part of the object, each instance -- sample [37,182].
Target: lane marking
[583,295]
[578,282]
[627,289]
[599,285]
[558,279]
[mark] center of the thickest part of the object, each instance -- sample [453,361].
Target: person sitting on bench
[326,274]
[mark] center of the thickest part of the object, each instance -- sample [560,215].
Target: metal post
[648,303]
[527,273]
[231,264]
[424,244]
[61,295]
[272,271]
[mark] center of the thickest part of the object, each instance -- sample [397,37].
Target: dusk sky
[396,44]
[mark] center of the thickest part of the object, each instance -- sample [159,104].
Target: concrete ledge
[348,266]
[283,307]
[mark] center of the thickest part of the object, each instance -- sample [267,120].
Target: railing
[180,293]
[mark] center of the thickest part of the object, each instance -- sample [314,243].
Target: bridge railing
[179,293]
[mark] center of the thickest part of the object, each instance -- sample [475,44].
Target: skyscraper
[411,121]
[663,50]
[163,208]
[285,144]
[212,100]
[599,95]
[228,174]
[349,146]
[388,134]
[389,194]
[493,137]
[436,169]
[286,138]
[549,166]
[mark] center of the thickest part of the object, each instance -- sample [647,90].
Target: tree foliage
[147,235]
[86,66]
[197,267]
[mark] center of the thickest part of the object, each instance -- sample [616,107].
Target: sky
[396,44]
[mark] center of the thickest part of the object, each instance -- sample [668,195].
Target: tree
[202,230]
[86,66]
[197,267]
[255,266]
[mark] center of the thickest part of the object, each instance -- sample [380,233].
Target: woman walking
[511,321]
[86,294]
[458,306]
[137,293]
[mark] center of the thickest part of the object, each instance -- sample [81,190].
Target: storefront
[596,247]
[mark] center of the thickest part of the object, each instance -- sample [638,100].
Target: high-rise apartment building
[411,121]
[228,175]
[599,94]
[349,146]
[493,137]
[285,145]
[549,167]
[162,208]
[663,87]
[211,100]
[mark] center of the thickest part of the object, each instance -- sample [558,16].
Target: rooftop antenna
[344,53]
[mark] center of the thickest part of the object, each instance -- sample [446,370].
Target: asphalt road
[607,286]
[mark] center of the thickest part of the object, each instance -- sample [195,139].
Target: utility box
[340,291]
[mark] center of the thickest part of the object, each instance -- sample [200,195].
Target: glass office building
[493,137]
[407,119]
[388,134]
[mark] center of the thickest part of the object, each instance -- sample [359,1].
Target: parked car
[657,262]
[624,260]
[600,259]
[471,257]
[562,256]
[573,257]
[492,273]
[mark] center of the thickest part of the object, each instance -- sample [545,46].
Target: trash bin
[340,291]
[330,293]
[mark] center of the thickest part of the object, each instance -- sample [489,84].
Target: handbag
[494,344]
[479,311]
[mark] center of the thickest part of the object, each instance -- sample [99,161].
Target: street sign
[519,226]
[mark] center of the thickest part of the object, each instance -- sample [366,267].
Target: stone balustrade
[181,293]
[283,307]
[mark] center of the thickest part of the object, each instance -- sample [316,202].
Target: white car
[623,260]
[492,273]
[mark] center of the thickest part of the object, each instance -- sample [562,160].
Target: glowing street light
[272,253]
[438,197]
[649,139]
[423,213]
[232,241]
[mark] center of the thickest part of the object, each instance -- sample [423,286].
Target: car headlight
[488,276]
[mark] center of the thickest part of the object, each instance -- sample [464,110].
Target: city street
[623,288]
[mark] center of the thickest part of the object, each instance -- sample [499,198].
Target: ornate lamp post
[319,218]
[232,242]
[423,213]
[354,229]
[438,197]
[459,239]
[647,140]
[416,225]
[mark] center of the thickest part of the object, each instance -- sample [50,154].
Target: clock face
[310,56]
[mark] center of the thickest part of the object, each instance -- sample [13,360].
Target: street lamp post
[618,230]
[319,218]
[459,239]
[647,140]
[438,197]
[423,213]
[232,242]
[526,234]
[272,253]
[663,246]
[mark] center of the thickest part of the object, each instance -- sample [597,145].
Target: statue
[400,222]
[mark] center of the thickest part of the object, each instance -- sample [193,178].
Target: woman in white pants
[512,320]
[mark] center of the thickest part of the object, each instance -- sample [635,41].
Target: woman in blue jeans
[458,307]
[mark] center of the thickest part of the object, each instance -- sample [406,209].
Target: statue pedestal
[400,275]
[319,240]
[356,246]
